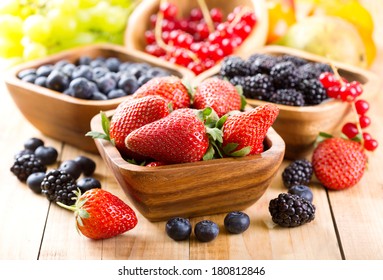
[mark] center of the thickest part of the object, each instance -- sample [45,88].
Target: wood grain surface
[348,224]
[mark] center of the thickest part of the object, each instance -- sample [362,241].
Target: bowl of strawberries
[179,156]
[197,34]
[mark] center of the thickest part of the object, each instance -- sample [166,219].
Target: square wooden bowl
[63,117]
[139,21]
[300,126]
[194,189]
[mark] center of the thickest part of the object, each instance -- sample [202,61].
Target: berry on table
[47,155]
[361,106]
[299,172]
[350,130]
[33,143]
[370,144]
[87,183]
[58,186]
[26,165]
[71,167]
[178,228]
[206,230]
[302,191]
[236,222]
[34,181]
[88,166]
[364,121]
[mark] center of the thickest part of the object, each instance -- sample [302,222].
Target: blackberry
[285,75]
[290,210]
[58,186]
[258,87]
[26,165]
[262,63]
[313,91]
[299,172]
[323,67]
[312,70]
[298,61]
[289,97]
[234,66]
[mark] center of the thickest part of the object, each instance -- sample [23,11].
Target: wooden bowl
[63,117]
[139,21]
[194,189]
[300,126]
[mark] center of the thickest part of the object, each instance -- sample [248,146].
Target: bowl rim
[274,140]
[372,84]
[11,79]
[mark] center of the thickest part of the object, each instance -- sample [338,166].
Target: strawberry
[339,163]
[218,94]
[243,133]
[130,115]
[171,88]
[100,214]
[180,137]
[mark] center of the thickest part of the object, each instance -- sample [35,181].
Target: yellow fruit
[327,36]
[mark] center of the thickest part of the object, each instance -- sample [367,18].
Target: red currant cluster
[339,88]
[201,39]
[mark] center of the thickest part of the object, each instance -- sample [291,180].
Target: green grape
[88,3]
[114,20]
[10,7]
[11,27]
[64,26]
[84,19]
[122,3]
[34,50]
[66,6]
[10,48]
[37,28]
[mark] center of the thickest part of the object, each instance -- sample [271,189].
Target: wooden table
[348,224]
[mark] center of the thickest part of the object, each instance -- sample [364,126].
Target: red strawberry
[178,138]
[218,94]
[100,214]
[171,88]
[243,133]
[339,163]
[131,115]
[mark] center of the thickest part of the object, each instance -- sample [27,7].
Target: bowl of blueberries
[60,94]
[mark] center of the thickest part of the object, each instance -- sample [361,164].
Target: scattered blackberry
[263,62]
[285,75]
[26,165]
[59,186]
[298,61]
[258,87]
[289,97]
[299,172]
[290,210]
[313,91]
[234,66]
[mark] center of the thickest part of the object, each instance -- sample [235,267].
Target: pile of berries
[179,228]
[100,78]
[199,40]
[30,166]
[339,88]
[284,79]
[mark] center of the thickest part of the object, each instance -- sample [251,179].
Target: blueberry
[116,93]
[26,72]
[88,166]
[69,91]
[302,191]
[31,78]
[81,88]
[106,84]
[98,62]
[44,70]
[84,60]
[47,155]
[57,81]
[156,72]
[99,72]
[87,183]
[23,152]
[236,222]
[206,231]
[33,143]
[34,181]
[83,71]
[143,80]
[113,64]
[41,81]
[68,69]
[61,63]
[128,84]
[178,228]
[71,167]
[98,96]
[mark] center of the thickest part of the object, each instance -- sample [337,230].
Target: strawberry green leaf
[83,213]
[188,87]
[170,107]
[242,152]
[358,138]
[105,123]
[209,153]
[215,133]
[321,137]
[239,89]
[325,135]
[229,148]
[243,103]
[221,121]
[97,135]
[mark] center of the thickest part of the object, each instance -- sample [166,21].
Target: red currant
[149,37]
[328,80]
[216,15]
[357,87]
[168,25]
[155,50]
[333,92]
[202,30]
[195,14]
[197,68]
[370,145]
[249,18]
[242,29]
[362,106]
[350,130]
[348,92]
[364,121]
[169,10]
[366,136]
[227,46]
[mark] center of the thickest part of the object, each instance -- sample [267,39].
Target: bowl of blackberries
[293,79]
[60,94]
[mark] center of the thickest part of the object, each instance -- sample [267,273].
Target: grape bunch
[35,28]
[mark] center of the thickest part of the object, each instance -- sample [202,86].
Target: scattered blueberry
[302,191]
[34,181]
[87,183]
[178,228]
[236,222]
[71,167]
[206,230]
[88,166]
[47,155]
[33,143]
